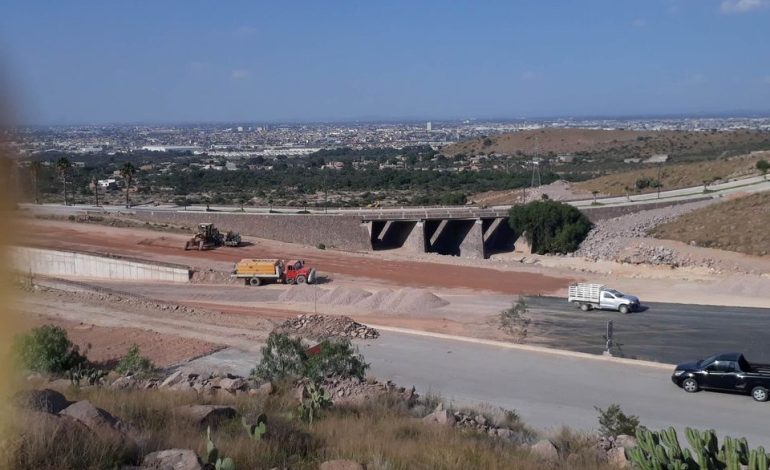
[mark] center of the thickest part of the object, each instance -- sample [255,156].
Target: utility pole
[326,195]
[660,167]
[608,337]
[95,182]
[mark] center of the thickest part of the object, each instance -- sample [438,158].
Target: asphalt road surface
[547,390]
[663,332]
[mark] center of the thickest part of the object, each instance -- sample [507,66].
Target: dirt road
[169,247]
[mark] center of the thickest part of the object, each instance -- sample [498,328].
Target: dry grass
[628,143]
[383,434]
[675,176]
[741,225]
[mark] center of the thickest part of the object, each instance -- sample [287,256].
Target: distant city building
[429,126]
[566,158]
[173,148]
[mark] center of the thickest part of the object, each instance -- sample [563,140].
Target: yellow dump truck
[254,272]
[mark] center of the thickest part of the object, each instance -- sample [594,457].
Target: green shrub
[514,320]
[613,422]
[283,356]
[47,349]
[133,363]
[321,246]
[550,226]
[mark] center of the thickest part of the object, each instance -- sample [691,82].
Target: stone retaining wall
[340,231]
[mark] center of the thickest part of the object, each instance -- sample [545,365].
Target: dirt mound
[403,300]
[344,296]
[325,326]
[302,293]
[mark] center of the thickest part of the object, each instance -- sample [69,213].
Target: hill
[619,144]
[675,176]
[739,224]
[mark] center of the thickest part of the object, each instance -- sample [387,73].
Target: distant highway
[752,184]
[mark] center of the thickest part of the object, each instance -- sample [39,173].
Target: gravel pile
[326,326]
[609,237]
[385,300]
[302,293]
[344,296]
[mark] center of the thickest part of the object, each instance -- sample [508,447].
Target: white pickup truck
[590,296]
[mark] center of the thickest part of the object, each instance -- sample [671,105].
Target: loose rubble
[609,238]
[613,449]
[355,391]
[201,384]
[319,326]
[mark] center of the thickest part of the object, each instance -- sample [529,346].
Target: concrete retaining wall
[75,264]
[598,213]
[341,231]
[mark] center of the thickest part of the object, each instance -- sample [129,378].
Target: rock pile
[326,326]
[656,255]
[202,384]
[613,449]
[473,421]
[609,237]
[354,391]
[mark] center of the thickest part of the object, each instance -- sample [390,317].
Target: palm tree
[63,166]
[34,170]
[127,172]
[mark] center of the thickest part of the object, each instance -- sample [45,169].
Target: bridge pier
[472,245]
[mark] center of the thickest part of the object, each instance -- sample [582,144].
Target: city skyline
[181,63]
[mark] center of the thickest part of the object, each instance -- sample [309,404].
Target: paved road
[547,390]
[664,332]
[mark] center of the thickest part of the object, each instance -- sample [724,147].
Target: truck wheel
[585,307]
[255,281]
[690,385]
[623,309]
[759,393]
[301,280]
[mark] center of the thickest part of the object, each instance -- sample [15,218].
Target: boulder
[263,390]
[617,457]
[545,450]
[96,419]
[172,459]
[205,415]
[626,441]
[232,384]
[341,465]
[172,379]
[442,417]
[46,400]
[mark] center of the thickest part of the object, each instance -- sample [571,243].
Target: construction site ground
[426,292]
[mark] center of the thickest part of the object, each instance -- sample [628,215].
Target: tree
[550,226]
[47,349]
[127,172]
[763,166]
[35,168]
[613,422]
[95,182]
[63,167]
[594,193]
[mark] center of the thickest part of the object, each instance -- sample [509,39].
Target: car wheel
[759,393]
[623,309]
[301,279]
[690,385]
[585,307]
[255,281]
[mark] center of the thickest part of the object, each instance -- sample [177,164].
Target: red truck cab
[295,271]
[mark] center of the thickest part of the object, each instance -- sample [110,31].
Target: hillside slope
[620,143]
[741,224]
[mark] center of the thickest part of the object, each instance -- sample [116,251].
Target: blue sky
[170,61]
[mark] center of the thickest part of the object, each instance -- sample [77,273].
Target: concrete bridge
[476,237]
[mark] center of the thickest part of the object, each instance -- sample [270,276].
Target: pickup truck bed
[729,372]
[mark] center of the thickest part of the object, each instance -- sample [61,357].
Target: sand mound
[344,296]
[403,300]
[302,293]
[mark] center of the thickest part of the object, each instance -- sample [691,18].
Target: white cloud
[240,74]
[743,6]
